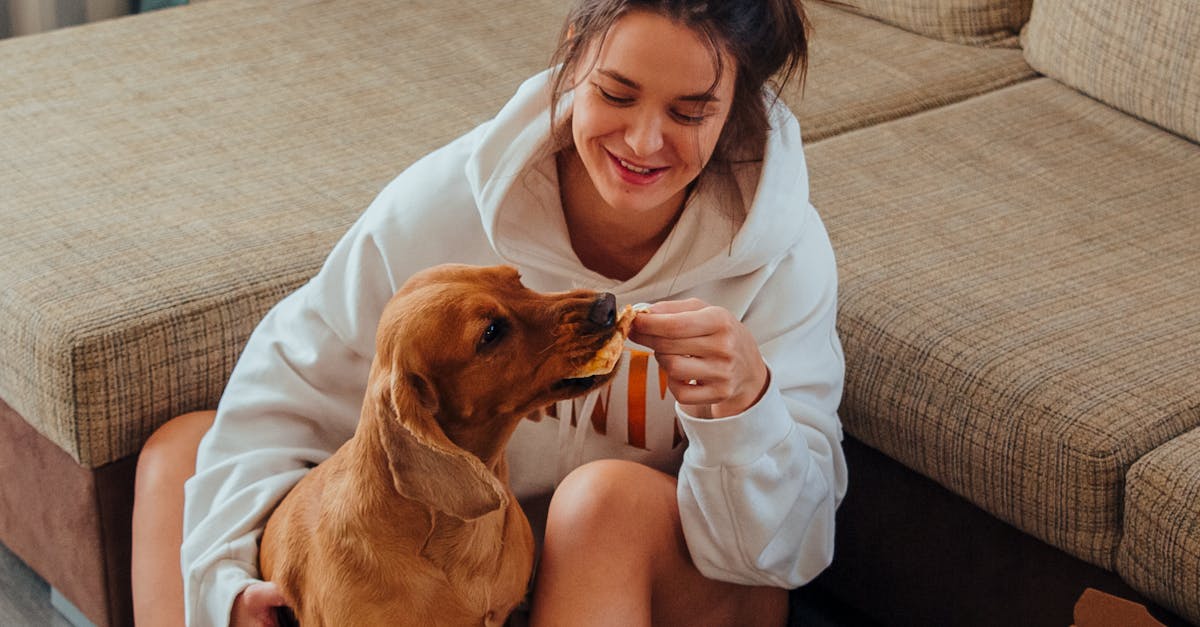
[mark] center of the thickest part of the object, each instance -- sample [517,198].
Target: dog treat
[606,358]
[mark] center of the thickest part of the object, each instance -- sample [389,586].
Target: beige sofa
[1012,189]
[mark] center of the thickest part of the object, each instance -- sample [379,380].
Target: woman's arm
[758,489]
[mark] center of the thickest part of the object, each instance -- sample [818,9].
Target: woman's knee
[170,452]
[615,498]
[167,460]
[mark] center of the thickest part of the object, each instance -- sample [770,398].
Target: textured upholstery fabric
[168,177]
[1019,275]
[1139,56]
[912,554]
[1019,270]
[863,72]
[958,21]
[195,165]
[1160,552]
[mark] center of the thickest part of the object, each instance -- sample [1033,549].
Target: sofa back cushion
[166,178]
[1018,276]
[1140,56]
[959,21]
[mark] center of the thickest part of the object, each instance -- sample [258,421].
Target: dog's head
[463,353]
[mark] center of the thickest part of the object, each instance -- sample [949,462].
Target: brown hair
[765,38]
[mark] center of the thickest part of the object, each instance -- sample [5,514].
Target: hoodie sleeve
[758,491]
[292,399]
[296,392]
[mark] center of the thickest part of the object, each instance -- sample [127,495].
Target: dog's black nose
[604,311]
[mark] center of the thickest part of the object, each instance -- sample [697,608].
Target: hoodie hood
[733,223]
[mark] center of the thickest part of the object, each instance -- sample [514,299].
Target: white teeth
[633,168]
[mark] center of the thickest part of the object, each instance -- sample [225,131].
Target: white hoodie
[757,491]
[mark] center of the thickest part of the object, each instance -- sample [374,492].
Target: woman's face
[644,119]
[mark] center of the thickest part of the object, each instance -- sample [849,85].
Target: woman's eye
[493,332]
[617,100]
[689,119]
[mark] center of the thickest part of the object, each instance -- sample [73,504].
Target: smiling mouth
[633,168]
[634,172]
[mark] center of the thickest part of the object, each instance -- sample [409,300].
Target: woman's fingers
[678,320]
[684,368]
[710,357]
[255,606]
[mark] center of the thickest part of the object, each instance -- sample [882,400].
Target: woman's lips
[633,173]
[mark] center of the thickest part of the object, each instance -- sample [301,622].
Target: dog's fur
[412,521]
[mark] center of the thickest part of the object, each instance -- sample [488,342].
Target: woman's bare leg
[614,554]
[166,462]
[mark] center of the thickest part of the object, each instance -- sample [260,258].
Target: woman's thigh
[165,463]
[614,551]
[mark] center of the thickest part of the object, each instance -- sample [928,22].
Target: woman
[651,163]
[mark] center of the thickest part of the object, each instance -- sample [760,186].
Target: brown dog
[412,520]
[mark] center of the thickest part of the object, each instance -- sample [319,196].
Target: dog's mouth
[576,385]
[603,361]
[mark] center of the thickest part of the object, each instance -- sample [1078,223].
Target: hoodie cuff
[223,582]
[740,439]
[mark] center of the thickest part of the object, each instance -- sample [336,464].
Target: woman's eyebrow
[632,84]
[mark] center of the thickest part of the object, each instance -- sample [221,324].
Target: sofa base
[910,552]
[944,562]
[70,524]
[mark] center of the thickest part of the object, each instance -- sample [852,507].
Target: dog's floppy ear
[426,466]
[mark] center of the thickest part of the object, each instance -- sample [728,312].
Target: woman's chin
[634,207]
[645,201]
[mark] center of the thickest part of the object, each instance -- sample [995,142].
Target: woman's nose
[644,134]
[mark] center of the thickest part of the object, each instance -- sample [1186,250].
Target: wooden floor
[24,597]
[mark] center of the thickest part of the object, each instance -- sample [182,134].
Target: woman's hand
[712,362]
[255,606]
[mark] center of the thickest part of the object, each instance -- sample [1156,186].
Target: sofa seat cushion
[1019,277]
[863,72]
[168,177]
[978,22]
[1160,551]
[1141,57]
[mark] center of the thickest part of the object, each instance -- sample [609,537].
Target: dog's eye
[493,332]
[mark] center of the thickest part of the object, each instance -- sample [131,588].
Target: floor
[811,608]
[24,597]
[25,602]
